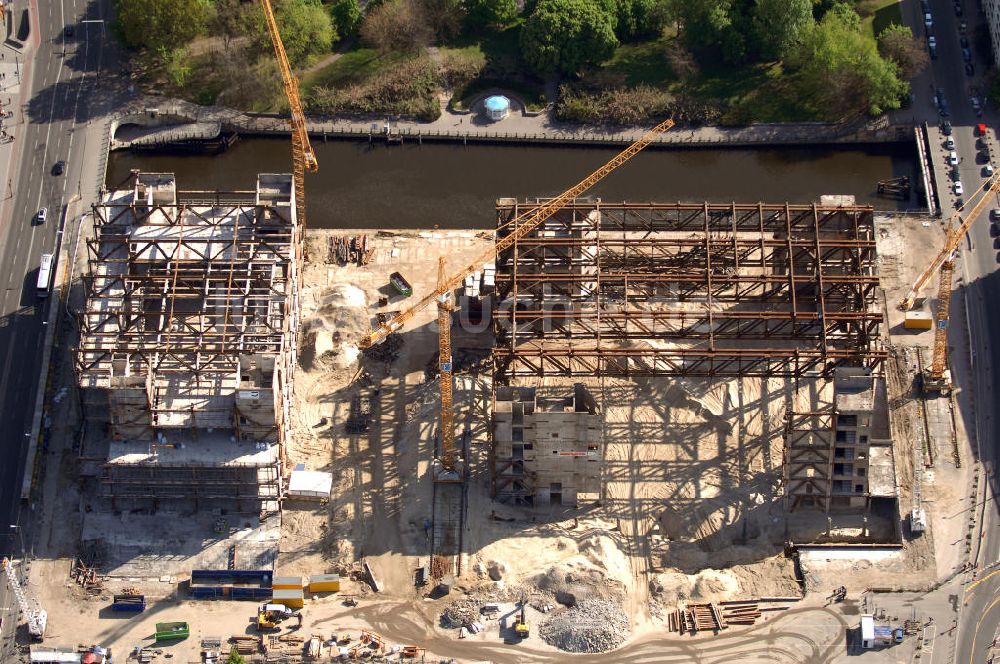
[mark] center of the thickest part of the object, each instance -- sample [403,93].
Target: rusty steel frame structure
[673,289]
[177,294]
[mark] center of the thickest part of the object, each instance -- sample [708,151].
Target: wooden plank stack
[245,644]
[741,614]
[695,618]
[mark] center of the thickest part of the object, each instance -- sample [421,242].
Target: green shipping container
[169,631]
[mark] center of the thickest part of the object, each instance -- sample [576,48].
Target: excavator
[937,377]
[521,627]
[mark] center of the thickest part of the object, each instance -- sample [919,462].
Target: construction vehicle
[36,618]
[521,627]
[303,157]
[519,227]
[937,377]
[270,615]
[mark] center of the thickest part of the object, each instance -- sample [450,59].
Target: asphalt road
[63,100]
[57,68]
[977,287]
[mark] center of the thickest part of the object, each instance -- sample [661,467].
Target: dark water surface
[455,186]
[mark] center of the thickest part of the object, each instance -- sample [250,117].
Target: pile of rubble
[464,611]
[592,625]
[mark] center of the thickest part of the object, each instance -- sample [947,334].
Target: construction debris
[593,625]
[343,250]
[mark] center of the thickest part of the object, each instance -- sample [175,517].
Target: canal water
[455,186]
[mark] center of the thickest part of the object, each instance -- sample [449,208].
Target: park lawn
[877,15]
[761,93]
[352,67]
[641,63]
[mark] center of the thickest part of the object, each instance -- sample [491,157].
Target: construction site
[597,425]
[657,414]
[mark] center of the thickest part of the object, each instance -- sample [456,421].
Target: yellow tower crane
[937,378]
[520,226]
[444,363]
[303,157]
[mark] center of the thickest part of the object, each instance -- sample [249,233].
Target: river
[455,186]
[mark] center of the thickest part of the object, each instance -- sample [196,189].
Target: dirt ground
[690,509]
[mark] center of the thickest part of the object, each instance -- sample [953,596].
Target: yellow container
[918,320]
[293,599]
[287,583]
[324,583]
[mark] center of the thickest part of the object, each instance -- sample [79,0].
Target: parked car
[928,21]
[995,214]
[958,188]
[946,128]
[943,110]
[41,215]
[963,42]
[59,167]
[932,42]
[925,5]
[963,27]
[988,170]
[970,70]
[949,143]
[952,158]
[967,55]
[68,31]
[958,9]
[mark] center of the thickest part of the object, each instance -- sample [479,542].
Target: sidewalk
[517,128]
[12,101]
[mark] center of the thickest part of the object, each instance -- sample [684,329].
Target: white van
[45,269]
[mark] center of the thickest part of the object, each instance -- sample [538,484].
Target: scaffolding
[672,289]
[190,318]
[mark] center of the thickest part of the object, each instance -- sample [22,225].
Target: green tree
[703,22]
[838,71]
[637,18]
[160,24]
[305,27]
[780,24]
[897,43]
[235,658]
[443,17]
[396,25]
[346,17]
[489,14]
[565,35]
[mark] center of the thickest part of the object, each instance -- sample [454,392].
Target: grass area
[641,63]
[503,69]
[352,67]
[760,93]
[877,15]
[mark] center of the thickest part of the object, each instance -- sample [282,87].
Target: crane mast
[522,225]
[444,362]
[303,157]
[36,618]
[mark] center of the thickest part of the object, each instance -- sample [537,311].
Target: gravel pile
[593,625]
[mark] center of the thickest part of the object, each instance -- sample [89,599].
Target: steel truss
[185,289]
[768,290]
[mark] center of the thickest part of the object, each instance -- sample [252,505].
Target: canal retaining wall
[173,118]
